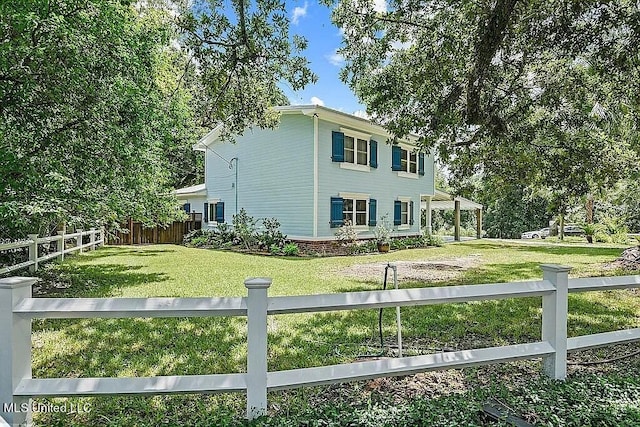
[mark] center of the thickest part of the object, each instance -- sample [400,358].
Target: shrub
[291,249]
[244,227]
[271,235]
[346,234]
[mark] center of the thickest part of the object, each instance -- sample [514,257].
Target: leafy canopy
[535,92]
[101,100]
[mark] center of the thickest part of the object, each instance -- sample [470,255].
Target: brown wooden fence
[137,234]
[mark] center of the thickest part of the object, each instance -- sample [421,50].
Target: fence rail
[18,308]
[96,238]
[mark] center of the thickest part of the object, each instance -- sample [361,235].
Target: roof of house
[194,190]
[445,201]
[321,112]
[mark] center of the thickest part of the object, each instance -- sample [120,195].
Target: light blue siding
[275,174]
[276,178]
[379,183]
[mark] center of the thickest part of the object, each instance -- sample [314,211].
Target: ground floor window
[354,211]
[214,212]
[403,212]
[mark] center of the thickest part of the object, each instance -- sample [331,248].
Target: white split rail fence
[18,308]
[96,238]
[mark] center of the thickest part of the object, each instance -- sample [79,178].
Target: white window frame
[212,202]
[355,197]
[407,225]
[406,158]
[356,136]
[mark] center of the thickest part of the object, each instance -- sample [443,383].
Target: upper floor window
[354,150]
[407,161]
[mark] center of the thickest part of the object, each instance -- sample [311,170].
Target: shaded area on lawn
[142,347]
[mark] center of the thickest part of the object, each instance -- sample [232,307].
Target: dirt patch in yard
[414,271]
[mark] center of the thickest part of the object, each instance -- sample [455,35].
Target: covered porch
[445,201]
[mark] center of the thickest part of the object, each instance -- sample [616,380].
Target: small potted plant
[382,234]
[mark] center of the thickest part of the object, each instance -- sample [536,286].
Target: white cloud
[380,6]
[362,114]
[299,12]
[335,59]
[317,101]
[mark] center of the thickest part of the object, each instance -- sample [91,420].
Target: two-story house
[318,169]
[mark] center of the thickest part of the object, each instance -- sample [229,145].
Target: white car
[537,234]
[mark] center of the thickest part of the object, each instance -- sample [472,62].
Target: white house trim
[323,113]
[316,178]
[356,134]
[410,175]
[194,190]
[360,196]
[354,167]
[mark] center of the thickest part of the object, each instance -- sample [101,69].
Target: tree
[538,93]
[101,100]
[242,52]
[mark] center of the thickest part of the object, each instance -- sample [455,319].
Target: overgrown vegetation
[102,100]
[604,395]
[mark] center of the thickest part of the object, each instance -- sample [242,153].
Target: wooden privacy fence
[63,243]
[18,308]
[137,234]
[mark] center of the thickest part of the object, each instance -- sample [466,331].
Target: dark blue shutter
[187,207]
[337,204]
[396,158]
[421,163]
[372,212]
[206,212]
[220,212]
[337,150]
[373,154]
[411,213]
[397,212]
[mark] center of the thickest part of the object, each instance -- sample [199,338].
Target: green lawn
[145,347]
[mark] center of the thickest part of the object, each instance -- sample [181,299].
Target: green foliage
[291,249]
[603,395]
[245,228]
[532,94]
[244,54]
[101,101]
[271,236]
[383,230]
[409,242]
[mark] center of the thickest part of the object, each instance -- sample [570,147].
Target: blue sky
[313,21]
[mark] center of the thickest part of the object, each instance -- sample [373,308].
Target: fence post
[79,240]
[92,238]
[15,351]
[257,346]
[61,245]
[554,319]
[33,252]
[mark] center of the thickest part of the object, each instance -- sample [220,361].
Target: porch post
[427,219]
[456,220]
[479,223]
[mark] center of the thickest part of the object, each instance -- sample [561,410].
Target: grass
[147,347]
